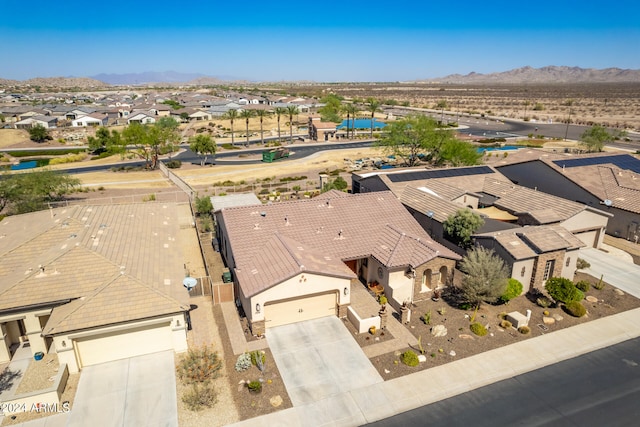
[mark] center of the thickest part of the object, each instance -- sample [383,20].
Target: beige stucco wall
[588,220]
[569,269]
[33,330]
[467,200]
[297,286]
[516,272]
[400,288]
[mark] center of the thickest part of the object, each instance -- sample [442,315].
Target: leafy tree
[407,138]
[330,112]
[247,115]
[203,146]
[563,290]
[31,191]
[99,143]
[231,115]
[460,226]
[173,104]
[595,138]
[39,133]
[151,139]
[442,105]
[292,110]
[337,184]
[373,106]
[351,110]
[184,116]
[261,114]
[485,278]
[203,205]
[279,111]
[459,153]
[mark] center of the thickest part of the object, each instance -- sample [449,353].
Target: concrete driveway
[623,273]
[140,391]
[318,359]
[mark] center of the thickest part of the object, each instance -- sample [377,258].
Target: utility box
[226,276]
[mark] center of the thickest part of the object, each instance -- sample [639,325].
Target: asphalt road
[597,389]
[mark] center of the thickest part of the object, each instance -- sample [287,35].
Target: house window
[568,261]
[524,269]
[548,269]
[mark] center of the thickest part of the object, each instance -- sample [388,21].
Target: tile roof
[122,299]
[529,242]
[394,248]
[53,256]
[335,225]
[283,258]
[425,201]
[543,207]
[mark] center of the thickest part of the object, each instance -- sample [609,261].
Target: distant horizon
[332,42]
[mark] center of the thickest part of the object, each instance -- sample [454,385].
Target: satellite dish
[430,214]
[189,283]
[608,202]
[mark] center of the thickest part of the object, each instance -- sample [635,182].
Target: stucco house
[534,254]
[95,119]
[298,260]
[93,283]
[608,182]
[141,118]
[46,122]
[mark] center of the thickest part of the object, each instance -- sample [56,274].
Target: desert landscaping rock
[422,358]
[439,331]
[276,401]
[618,292]
[557,317]
[591,298]
[466,337]
[452,353]
[548,320]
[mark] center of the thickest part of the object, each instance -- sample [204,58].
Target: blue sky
[321,41]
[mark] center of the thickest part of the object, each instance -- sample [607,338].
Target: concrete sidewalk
[378,401]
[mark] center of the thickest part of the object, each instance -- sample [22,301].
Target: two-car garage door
[283,312]
[122,344]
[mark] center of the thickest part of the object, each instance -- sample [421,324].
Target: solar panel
[623,161]
[439,173]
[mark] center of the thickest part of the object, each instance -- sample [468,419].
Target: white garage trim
[293,310]
[117,345]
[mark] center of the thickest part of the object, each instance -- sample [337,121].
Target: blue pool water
[505,148]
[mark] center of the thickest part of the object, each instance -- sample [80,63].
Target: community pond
[24,164]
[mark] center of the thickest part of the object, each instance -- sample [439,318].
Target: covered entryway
[123,344]
[294,310]
[589,238]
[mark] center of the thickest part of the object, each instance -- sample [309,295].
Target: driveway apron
[319,358]
[139,391]
[613,270]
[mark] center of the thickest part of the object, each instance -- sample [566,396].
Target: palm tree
[351,111]
[246,115]
[261,115]
[231,115]
[292,110]
[279,112]
[373,105]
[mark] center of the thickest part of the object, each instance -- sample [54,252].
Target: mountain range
[549,74]
[523,75]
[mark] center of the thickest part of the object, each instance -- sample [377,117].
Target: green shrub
[200,396]
[563,290]
[505,324]
[599,285]
[410,358]
[575,308]
[243,363]
[583,285]
[514,289]
[199,365]
[255,355]
[524,330]
[543,302]
[502,315]
[174,164]
[427,318]
[478,329]
[255,386]
[582,264]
